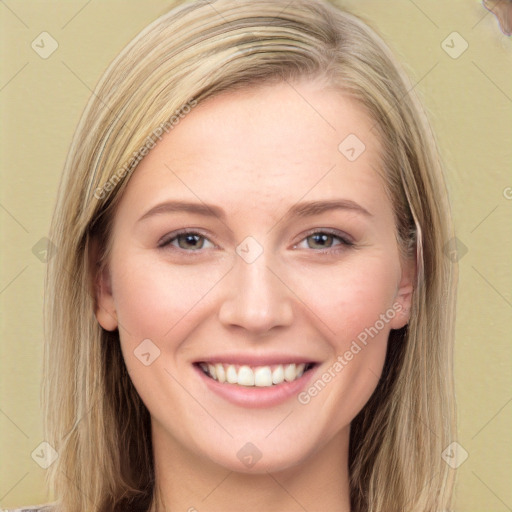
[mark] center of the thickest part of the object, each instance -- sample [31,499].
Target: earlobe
[105,307]
[403,299]
[402,307]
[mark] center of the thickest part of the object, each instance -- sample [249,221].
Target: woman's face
[256,243]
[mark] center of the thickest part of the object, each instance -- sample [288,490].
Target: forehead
[266,145]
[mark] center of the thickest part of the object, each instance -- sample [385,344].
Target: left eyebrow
[306,209]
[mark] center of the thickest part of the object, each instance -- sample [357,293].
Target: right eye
[186,240]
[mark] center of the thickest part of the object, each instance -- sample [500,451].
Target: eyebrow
[207,210]
[316,207]
[304,209]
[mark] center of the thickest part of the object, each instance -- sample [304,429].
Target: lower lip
[256,397]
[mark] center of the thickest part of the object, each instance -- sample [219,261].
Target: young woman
[249,307]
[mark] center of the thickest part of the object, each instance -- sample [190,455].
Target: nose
[256,298]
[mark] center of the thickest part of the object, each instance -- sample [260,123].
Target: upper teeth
[261,376]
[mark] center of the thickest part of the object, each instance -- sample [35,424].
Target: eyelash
[345,242]
[166,241]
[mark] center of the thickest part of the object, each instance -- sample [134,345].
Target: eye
[187,241]
[323,240]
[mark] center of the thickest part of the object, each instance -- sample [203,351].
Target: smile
[254,376]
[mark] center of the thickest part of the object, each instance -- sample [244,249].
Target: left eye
[322,240]
[187,241]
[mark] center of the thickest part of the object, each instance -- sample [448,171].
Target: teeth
[260,376]
[231,375]
[263,377]
[245,376]
[278,375]
[290,372]
[221,374]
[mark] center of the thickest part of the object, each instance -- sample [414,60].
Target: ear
[403,298]
[105,309]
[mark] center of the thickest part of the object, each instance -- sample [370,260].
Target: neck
[187,482]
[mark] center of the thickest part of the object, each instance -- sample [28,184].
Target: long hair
[94,417]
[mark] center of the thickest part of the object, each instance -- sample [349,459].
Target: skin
[502,9]
[256,153]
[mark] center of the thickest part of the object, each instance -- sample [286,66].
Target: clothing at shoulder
[35,508]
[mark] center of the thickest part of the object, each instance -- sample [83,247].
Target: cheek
[354,310]
[352,297]
[153,298]
[162,303]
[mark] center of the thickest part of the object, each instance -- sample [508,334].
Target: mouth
[254,376]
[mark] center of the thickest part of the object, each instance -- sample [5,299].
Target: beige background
[469,99]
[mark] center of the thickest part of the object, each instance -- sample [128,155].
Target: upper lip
[255,360]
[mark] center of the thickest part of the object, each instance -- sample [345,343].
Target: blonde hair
[93,415]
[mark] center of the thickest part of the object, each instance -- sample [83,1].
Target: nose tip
[255,299]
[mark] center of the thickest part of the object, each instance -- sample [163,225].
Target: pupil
[190,240]
[321,239]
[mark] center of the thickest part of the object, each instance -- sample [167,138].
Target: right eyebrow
[207,210]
